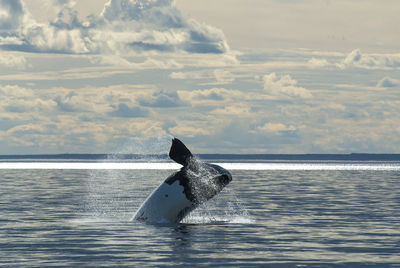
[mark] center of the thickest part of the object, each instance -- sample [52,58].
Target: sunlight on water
[229,166]
[274,218]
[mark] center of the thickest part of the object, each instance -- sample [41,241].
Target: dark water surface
[264,218]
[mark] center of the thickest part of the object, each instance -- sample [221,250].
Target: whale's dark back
[201,181]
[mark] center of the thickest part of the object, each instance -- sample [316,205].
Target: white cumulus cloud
[123,26]
[13,61]
[366,61]
[318,63]
[284,86]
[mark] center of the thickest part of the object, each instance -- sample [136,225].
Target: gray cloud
[388,82]
[162,99]
[124,110]
[369,61]
[123,26]
[210,95]
[15,109]
[11,15]
[64,104]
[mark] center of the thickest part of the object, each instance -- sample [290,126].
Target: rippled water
[275,218]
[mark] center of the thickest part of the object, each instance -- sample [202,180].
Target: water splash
[114,195]
[106,198]
[224,208]
[150,147]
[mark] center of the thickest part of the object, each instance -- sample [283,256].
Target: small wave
[98,219]
[89,166]
[200,220]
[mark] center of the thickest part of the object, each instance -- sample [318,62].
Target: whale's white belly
[164,204]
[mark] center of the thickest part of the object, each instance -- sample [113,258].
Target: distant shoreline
[232,157]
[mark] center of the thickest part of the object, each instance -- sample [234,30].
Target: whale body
[195,183]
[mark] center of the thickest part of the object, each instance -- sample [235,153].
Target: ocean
[290,212]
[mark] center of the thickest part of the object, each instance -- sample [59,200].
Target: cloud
[215,94]
[214,77]
[161,99]
[364,61]
[15,99]
[124,110]
[183,75]
[13,61]
[191,129]
[11,15]
[216,97]
[89,119]
[71,102]
[357,59]
[275,128]
[16,91]
[284,86]
[388,82]
[335,106]
[27,129]
[223,76]
[318,63]
[236,111]
[123,26]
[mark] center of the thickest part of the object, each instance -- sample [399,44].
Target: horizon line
[208,156]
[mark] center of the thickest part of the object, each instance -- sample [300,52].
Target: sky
[258,76]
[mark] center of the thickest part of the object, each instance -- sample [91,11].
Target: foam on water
[223,208]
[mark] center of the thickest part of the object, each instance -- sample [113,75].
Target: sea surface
[274,213]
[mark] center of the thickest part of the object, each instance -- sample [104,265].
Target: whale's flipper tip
[179,152]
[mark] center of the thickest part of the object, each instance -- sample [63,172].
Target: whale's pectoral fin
[179,152]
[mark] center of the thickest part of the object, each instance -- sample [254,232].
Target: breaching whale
[195,183]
